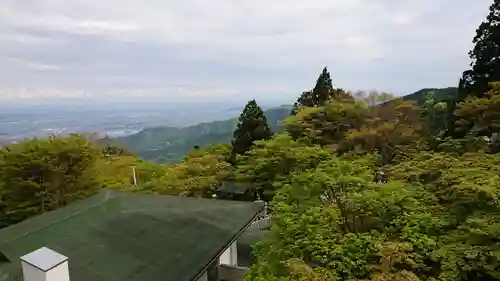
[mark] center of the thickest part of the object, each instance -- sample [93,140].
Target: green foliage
[350,125]
[270,163]
[116,172]
[110,147]
[336,216]
[43,174]
[366,189]
[322,93]
[327,124]
[252,126]
[200,174]
[485,67]
[172,144]
[480,115]
[437,217]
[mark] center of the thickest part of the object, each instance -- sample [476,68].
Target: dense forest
[361,186]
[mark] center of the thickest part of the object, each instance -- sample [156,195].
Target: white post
[134,176]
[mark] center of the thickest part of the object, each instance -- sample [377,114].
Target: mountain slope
[171,144]
[440,94]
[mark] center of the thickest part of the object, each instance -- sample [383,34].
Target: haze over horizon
[52,50]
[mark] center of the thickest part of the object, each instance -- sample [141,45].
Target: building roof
[234,187]
[117,236]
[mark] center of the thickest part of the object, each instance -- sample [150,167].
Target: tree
[199,175]
[480,115]
[391,128]
[322,93]
[437,218]
[327,124]
[485,65]
[373,123]
[40,175]
[485,56]
[252,126]
[270,164]
[435,113]
[336,219]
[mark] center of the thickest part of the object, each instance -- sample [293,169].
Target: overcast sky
[230,48]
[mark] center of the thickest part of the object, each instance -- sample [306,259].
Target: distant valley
[23,121]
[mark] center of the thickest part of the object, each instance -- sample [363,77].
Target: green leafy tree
[327,124]
[252,126]
[480,115]
[199,175]
[392,128]
[335,218]
[270,164]
[40,175]
[437,218]
[435,113]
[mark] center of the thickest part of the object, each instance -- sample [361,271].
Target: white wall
[58,273]
[32,273]
[230,256]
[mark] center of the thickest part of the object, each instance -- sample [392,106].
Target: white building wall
[230,256]
[31,273]
[203,277]
[58,273]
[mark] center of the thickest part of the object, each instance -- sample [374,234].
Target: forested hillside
[172,144]
[406,190]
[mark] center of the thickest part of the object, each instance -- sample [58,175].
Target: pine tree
[485,56]
[322,92]
[485,65]
[323,89]
[252,126]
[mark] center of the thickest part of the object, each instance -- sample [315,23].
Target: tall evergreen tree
[252,126]
[322,92]
[485,65]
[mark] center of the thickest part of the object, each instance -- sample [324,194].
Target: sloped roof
[234,187]
[117,236]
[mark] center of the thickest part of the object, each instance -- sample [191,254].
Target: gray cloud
[225,48]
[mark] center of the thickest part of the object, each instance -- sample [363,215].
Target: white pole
[134,176]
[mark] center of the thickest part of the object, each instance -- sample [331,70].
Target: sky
[230,49]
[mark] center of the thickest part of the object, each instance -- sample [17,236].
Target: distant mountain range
[171,144]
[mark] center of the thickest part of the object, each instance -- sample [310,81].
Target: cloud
[251,48]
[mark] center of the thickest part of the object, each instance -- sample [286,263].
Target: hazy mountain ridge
[171,144]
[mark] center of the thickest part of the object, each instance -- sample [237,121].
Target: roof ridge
[105,193]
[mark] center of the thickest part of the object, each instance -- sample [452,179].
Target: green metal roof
[117,236]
